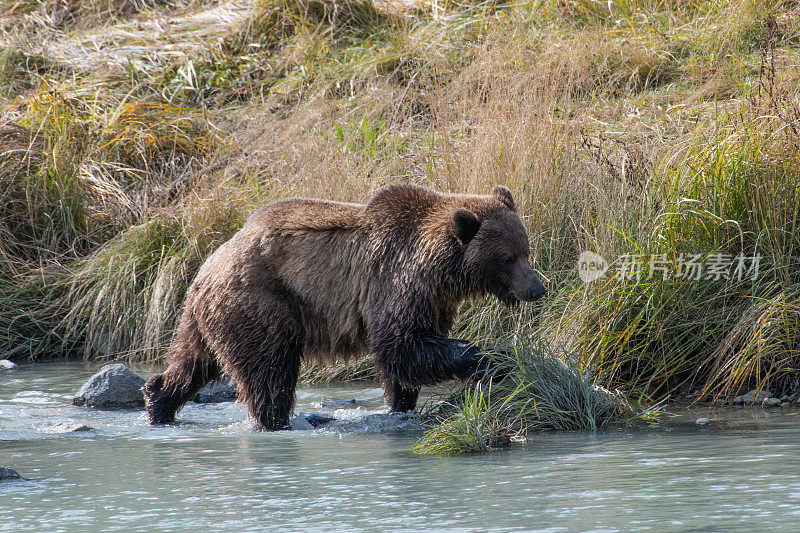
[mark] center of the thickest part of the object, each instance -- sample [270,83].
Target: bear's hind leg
[191,366]
[270,398]
[262,355]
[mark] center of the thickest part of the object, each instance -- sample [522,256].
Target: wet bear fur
[322,280]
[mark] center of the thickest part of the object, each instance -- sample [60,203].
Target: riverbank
[661,136]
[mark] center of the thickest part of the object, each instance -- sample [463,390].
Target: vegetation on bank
[542,391]
[137,136]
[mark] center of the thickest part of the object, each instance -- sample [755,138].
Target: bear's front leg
[399,399]
[492,367]
[426,360]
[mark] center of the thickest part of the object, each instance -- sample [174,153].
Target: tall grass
[129,293]
[77,168]
[87,180]
[733,192]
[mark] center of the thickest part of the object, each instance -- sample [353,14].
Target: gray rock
[114,387]
[218,392]
[5,364]
[336,404]
[771,402]
[65,427]
[754,397]
[300,423]
[6,474]
[702,421]
[318,420]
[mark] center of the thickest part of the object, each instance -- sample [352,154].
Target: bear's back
[300,214]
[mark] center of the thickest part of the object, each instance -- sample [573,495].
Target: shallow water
[214,471]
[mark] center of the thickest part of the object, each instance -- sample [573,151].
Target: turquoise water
[215,471]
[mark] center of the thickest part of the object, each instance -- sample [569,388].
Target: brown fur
[324,280]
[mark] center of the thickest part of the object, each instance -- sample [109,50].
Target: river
[214,471]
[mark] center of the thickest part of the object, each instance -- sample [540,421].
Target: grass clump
[473,428]
[283,47]
[71,14]
[541,392]
[75,170]
[126,296]
[20,71]
[552,392]
[130,292]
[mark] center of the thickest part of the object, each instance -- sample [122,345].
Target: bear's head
[497,251]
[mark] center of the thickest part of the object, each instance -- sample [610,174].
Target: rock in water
[65,427]
[5,364]
[336,404]
[300,423]
[114,387]
[318,420]
[6,474]
[754,397]
[771,402]
[218,392]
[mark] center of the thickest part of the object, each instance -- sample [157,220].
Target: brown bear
[315,279]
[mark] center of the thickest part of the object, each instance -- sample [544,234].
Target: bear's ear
[466,225]
[503,195]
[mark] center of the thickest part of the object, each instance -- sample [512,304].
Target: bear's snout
[526,286]
[534,293]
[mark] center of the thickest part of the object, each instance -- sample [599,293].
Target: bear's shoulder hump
[402,198]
